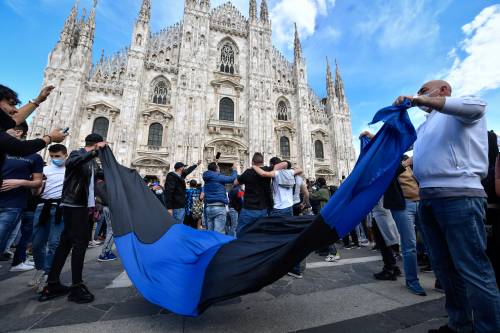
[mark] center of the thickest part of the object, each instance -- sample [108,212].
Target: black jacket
[393,196]
[12,146]
[77,177]
[175,188]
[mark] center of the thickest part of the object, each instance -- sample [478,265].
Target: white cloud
[403,23]
[479,69]
[303,12]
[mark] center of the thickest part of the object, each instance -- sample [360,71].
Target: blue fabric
[373,172]
[215,190]
[170,272]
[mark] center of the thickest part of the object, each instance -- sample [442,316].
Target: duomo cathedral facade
[211,83]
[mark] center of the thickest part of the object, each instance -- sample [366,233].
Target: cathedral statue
[234,58]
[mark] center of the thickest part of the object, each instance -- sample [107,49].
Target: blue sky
[384,47]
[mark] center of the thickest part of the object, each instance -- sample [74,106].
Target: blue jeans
[282,212]
[109,241]
[26,235]
[248,217]
[233,220]
[405,221]
[453,228]
[45,239]
[216,218]
[8,222]
[178,214]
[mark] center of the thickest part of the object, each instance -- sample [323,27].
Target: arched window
[226,109]
[155,136]
[160,92]
[227,59]
[283,111]
[318,149]
[101,126]
[284,146]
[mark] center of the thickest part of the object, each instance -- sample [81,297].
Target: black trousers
[386,251]
[354,237]
[75,238]
[493,249]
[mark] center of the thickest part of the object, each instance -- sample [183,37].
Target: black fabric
[393,196]
[124,192]
[258,193]
[77,177]
[268,250]
[47,206]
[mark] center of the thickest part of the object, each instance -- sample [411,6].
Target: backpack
[197,209]
[286,179]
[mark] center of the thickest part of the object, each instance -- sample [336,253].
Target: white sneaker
[332,258]
[94,243]
[29,262]
[36,278]
[21,268]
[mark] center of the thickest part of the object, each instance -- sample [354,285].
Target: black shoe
[442,329]
[397,271]
[426,269]
[437,287]
[53,290]
[80,294]
[385,276]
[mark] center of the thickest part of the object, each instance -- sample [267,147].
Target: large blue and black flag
[186,270]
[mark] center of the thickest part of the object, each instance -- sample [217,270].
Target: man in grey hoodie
[450,159]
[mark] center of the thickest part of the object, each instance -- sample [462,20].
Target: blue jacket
[215,190]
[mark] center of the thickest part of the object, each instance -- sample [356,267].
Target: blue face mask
[58,162]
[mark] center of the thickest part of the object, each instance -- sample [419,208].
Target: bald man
[449,161]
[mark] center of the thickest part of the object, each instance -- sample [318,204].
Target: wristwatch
[32,101]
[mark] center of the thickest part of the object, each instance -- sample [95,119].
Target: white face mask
[159,192]
[427,94]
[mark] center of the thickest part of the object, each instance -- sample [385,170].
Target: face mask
[58,162]
[159,192]
[427,94]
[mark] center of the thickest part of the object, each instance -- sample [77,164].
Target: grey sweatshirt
[451,150]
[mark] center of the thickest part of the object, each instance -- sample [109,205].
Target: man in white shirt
[48,222]
[283,184]
[449,160]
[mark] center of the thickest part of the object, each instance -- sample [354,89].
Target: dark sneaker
[397,271]
[109,256]
[442,329]
[53,290]
[416,289]
[437,287]
[426,269]
[295,273]
[385,276]
[80,294]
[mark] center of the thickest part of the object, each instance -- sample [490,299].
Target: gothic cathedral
[210,83]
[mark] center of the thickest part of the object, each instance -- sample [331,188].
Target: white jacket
[452,146]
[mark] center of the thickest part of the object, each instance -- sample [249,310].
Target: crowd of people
[440,213]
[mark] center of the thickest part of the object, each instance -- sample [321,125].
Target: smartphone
[218,155]
[65,130]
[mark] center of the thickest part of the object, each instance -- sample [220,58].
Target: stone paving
[341,297]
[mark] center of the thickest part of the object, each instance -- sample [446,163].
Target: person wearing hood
[216,196]
[175,190]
